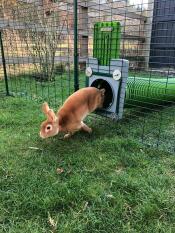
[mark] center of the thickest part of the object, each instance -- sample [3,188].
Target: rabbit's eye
[48,128]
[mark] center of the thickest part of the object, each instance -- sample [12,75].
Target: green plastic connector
[106,45]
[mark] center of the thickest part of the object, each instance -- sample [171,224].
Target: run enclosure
[45,45]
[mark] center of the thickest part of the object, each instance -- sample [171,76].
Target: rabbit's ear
[48,112]
[51,115]
[45,108]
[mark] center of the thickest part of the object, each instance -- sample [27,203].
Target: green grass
[109,184]
[151,127]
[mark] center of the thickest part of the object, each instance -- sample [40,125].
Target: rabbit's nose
[41,135]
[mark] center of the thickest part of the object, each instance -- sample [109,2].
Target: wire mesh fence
[39,45]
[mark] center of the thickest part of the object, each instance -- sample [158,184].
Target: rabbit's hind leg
[85,128]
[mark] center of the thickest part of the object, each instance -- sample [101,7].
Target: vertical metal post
[148,32]
[4,65]
[76,78]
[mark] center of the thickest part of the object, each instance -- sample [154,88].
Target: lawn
[90,183]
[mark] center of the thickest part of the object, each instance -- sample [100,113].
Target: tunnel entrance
[109,96]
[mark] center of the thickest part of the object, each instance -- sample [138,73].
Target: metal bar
[4,65]
[102,74]
[129,12]
[30,60]
[17,25]
[76,78]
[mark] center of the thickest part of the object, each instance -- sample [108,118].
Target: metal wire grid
[38,49]
[149,110]
[148,118]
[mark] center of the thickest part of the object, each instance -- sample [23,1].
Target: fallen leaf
[34,148]
[52,222]
[109,196]
[85,206]
[60,170]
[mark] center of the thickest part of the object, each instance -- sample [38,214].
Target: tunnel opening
[109,96]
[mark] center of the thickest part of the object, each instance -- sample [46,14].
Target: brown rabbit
[70,116]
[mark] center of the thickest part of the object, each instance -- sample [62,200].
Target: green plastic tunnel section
[140,90]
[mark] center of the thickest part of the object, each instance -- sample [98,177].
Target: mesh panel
[38,45]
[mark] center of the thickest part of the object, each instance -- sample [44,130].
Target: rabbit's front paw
[89,130]
[68,135]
